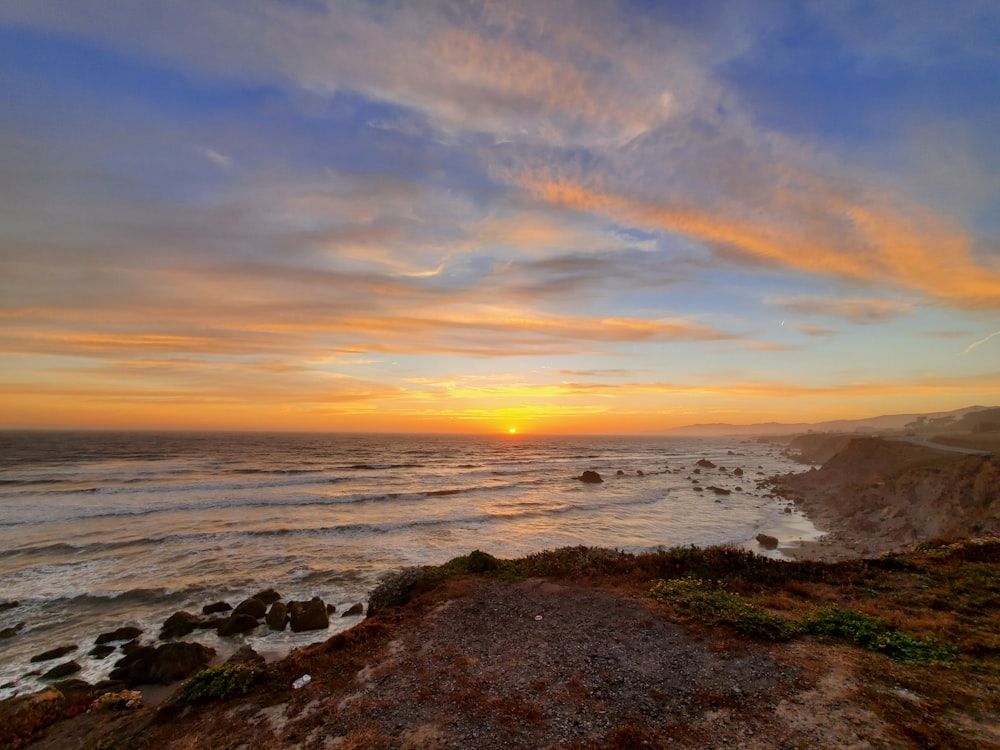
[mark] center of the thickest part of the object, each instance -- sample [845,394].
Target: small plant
[221,682]
[715,605]
[875,634]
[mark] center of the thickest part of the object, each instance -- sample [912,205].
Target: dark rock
[268,596]
[11,632]
[696,471]
[245,655]
[162,665]
[131,646]
[252,606]
[62,670]
[591,477]
[216,607]
[277,616]
[309,615]
[4,606]
[23,715]
[720,490]
[211,623]
[357,609]
[331,608]
[101,651]
[704,462]
[767,541]
[126,633]
[639,473]
[738,472]
[619,473]
[236,624]
[178,625]
[54,653]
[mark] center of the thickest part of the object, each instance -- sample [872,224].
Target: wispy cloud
[858,310]
[977,344]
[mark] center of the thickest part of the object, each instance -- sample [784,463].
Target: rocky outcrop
[125,633]
[216,607]
[767,541]
[178,625]
[237,624]
[591,477]
[62,670]
[11,632]
[252,606]
[268,596]
[53,653]
[163,665]
[277,616]
[705,463]
[355,610]
[245,655]
[311,615]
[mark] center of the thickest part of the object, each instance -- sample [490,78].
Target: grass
[218,683]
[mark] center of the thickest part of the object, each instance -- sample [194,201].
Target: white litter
[302,681]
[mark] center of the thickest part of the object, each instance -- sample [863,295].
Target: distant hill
[960,419]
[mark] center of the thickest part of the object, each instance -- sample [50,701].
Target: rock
[704,462]
[619,473]
[696,471]
[245,655]
[357,609]
[62,670]
[639,473]
[162,665]
[51,654]
[178,625]
[309,615]
[698,489]
[10,604]
[738,472]
[126,633]
[268,596]
[767,541]
[23,715]
[11,632]
[101,651]
[277,617]
[331,608]
[211,623]
[216,607]
[720,490]
[591,477]
[252,606]
[236,624]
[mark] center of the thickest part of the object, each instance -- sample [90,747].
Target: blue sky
[557,216]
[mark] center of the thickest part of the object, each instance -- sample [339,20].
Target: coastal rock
[178,625]
[720,490]
[125,633]
[11,632]
[767,541]
[23,715]
[236,624]
[62,670]
[211,623]
[619,473]
[738,472]
[10,604]
[277,616]
[639,473]
[162,665]
[101,651]
[252,606]
[245,655]
[705,463]
[309,615]
[591,477]
[268,596]
[216,607]
[53,653]
[357,609]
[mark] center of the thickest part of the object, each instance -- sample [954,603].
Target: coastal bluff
[879,495]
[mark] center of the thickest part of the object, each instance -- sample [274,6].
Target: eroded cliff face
[900,493]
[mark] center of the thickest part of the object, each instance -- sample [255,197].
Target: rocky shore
[574,649]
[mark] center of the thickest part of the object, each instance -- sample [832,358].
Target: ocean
[102,529]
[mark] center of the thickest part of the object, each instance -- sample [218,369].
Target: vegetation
[218,683]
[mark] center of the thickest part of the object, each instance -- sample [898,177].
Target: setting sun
[512,430]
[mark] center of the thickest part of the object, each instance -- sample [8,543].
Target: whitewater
[100,529]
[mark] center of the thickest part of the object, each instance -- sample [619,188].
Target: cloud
[858,310]
[217,158]
[981,341]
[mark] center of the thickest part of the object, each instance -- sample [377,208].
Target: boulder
[268,596]
[216,607]
[310,615]
[639,473]
[10,604]
[125,633]
[252,606]
[738,472]
[163,665]
[101,651]
[236,624]
[357,609]
[704,462]
[62,670]
[53,653]
[11,632]
[277,616]
[619,473]
[591,477]
[767,541]
[178,625]
[245,655]
[211,623]
[720,490]
[23,715]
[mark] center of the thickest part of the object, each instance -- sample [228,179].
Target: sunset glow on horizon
[520,218]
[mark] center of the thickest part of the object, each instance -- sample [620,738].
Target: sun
[512,431]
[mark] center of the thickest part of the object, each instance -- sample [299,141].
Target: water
[99,530]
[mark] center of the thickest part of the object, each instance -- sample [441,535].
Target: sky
[546,216]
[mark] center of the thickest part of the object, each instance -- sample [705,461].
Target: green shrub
[875,634]
[715,605]
[221,682]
